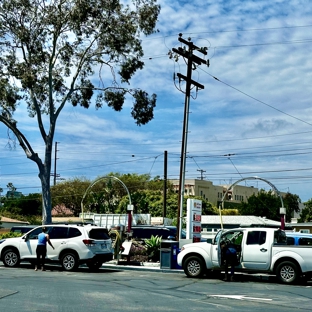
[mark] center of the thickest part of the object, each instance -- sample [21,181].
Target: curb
[155,267]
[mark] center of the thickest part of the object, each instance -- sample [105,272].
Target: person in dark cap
[41,250]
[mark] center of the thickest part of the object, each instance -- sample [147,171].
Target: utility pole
[192,59]
[165,185]
[201,173]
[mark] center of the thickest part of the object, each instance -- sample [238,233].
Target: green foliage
[28,205]
[109,196]
[306,212]
[70,193]
[143,107]
[267,204]
[291,203]
[151,201]
[10,234]
[264,204]
[153,247]
[229,212]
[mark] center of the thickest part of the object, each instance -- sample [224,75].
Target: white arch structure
[264,180]
[98,180]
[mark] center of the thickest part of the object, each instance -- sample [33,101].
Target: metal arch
[249,178]
[96,181]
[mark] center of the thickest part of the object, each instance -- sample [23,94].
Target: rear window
[99,234]
[280,238]
[290,241]
[305,241]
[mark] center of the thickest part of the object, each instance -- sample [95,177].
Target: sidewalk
[138,266]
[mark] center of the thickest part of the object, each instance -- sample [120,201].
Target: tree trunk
[44,176]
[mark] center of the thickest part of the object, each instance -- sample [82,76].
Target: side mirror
[25,237]
[209,240]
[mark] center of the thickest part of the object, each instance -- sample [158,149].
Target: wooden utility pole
[165,185]
[201,173]
[192,59]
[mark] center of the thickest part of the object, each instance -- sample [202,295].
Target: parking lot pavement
[156,267]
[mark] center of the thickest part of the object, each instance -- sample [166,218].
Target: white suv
[73,245]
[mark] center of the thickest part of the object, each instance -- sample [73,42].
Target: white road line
[240,297]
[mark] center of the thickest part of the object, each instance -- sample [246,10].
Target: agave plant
[153,247]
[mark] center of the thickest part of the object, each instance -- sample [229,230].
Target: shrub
[10,234]
[138,251]
[153,248]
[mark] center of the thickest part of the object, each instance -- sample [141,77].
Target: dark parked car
[146,231]
[22,228]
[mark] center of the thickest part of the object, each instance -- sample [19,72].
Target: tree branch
[22,140]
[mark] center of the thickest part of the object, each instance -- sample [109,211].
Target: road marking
[240,297]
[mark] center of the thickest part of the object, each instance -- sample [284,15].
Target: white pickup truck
[259,250]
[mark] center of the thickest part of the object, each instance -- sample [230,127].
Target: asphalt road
[23,289]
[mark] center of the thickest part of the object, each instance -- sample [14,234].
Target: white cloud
[256,48]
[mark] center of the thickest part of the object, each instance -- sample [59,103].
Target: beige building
[215,193]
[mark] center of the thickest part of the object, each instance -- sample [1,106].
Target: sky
[253,117]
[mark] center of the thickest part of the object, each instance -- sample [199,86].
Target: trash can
[168,254]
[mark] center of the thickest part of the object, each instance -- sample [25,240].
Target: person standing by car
[229,259]
[41,250]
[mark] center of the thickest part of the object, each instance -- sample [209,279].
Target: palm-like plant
[153,247]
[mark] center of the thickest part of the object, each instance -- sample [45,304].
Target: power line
[271,106]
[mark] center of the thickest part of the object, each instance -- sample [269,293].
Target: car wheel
[11,258]
[194,267]
[69,262]
[94,265]
[287,272]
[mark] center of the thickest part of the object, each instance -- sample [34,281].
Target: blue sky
[258,111]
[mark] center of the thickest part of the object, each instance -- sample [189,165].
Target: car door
[256,253]
[235,239]
[28,244]
[59,238]
[215,254]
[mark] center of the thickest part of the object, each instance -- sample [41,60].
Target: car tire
[194,267]
[69,261]
[94,265]
[11,258]
[287,272]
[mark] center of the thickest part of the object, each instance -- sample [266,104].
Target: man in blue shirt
[41,250]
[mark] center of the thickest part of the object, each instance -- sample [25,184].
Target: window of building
[304,231]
